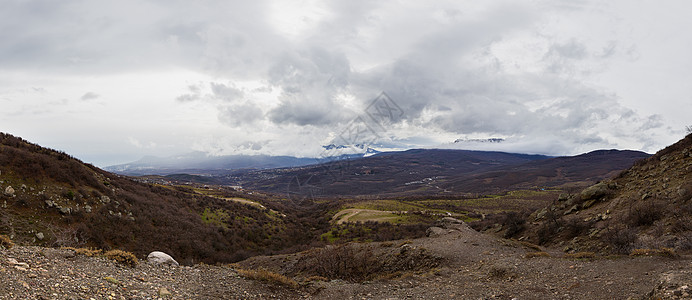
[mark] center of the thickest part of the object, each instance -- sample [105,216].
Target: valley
[406,223]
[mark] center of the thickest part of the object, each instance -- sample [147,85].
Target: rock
[65,210]
[541,214]
[588,204]
[19,265]
[454,224]
[572,209]
[87,208]
[563,197]
[40,236]
[9,191]
[163,292]
[105,199]
[595,191]
[158,257]
[435,231]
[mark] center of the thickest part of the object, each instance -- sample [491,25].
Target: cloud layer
[238,77]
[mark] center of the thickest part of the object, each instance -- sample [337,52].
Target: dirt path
[359,214]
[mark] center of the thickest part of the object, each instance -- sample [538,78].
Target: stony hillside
[646,206]
[51,199]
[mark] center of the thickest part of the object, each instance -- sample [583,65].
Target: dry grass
[122,257]
[665,252]
[5,242]
[317,278]
[580,255]
[268,276]
[537,254]
[406,242]
[530,245]
[85,251]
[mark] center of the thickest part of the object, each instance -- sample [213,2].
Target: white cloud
[258,77]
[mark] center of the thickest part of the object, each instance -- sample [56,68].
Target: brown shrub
[122,257]
[85,251]
[620,238]
[530,245]
[268,276]
[645,214]
[359,262]
[5,242]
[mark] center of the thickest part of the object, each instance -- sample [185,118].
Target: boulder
[158,257]
[9,191]
[595,191]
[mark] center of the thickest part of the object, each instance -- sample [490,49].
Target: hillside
[645,206]
[437,172]
[49,198]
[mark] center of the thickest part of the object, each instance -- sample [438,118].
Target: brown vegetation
[5,242]
[268,276]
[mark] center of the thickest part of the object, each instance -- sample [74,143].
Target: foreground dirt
[474,266]
[59,274]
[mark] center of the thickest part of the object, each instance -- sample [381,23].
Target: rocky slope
[646,206]
[469,265]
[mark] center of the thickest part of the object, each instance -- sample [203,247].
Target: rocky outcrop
[160,258]
[448,225]
[673,285]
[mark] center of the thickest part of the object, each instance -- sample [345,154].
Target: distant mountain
[200,162]
[437,172]
[383,173]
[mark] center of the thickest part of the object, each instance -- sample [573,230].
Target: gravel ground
[475,266]
[46,273]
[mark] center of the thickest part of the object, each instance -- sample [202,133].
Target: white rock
[158,257]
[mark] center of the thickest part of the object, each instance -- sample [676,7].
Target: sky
[112,81]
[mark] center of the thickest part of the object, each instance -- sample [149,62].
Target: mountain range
[430,172]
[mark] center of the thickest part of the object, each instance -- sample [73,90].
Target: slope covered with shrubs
[50,198]
[648,206]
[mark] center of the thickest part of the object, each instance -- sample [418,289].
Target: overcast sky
[112,81]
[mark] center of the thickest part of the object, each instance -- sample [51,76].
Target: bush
[620,238]
[547,231]
[537,254]
[5,242]
[122,257]
[514,222]
[645,214]
[267,276]
[359,262]
[85,251]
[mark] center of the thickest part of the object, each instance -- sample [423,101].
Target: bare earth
[474,266]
